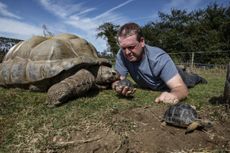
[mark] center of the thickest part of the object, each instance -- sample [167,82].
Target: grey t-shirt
[153,71]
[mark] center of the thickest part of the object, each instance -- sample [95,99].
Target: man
[150,67]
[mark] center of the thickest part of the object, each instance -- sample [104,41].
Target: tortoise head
[206,123]
[106,75]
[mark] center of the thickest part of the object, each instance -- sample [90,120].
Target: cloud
[11,26]
[63,9]
[108,13]
[76,16]
[72,14]
[6,13]
[86,11]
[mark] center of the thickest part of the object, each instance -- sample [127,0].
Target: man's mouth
[129,57]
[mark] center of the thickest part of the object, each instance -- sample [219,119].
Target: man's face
[132,49]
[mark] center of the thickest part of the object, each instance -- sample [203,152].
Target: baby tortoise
[184,115]
[125,83]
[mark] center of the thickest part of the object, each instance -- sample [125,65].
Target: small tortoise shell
[180,115]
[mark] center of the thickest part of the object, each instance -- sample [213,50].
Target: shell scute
[181,114]
[42,58]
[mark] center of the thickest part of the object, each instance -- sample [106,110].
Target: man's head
[131,41]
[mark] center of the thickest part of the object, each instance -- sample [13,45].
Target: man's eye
[131,47]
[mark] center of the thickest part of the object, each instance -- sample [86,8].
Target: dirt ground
[139,130]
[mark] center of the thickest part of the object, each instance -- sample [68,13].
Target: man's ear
[142,41]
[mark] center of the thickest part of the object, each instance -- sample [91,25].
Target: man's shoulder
[154,49]
[154,52]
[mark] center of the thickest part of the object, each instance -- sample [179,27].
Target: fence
[201,59]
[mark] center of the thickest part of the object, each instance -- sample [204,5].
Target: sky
[21,19]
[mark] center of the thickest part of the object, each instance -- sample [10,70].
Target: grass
[27,125]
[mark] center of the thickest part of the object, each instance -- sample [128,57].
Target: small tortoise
[125,83]
[184,115]
[64,65]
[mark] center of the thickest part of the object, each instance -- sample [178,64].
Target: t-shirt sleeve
[168,68]
[120,65]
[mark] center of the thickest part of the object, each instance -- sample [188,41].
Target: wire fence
[202,59]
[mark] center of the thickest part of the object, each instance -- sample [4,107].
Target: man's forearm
[180,92]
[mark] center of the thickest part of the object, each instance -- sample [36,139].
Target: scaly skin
[73,86]
[80,83]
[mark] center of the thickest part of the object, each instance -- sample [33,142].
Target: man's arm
[178,91]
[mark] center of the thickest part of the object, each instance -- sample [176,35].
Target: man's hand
[178,91]
[167,97]
[123,89]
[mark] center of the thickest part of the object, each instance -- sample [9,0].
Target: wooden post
[192,62]
[227,88]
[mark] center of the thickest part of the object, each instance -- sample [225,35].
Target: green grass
[27,125]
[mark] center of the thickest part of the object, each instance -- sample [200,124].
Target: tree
[203,30]
[108,31]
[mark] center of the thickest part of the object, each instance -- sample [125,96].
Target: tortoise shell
[180,114]
[42,58]
[125,82]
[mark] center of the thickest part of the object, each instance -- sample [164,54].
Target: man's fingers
[167,97]
[133,90]
[130,92]
[166,100]
[157,100]
[125,90]
[175,101]
[171,101]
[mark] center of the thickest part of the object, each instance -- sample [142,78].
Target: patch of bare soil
[139,130]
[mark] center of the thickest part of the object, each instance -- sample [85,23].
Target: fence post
[192,60]
[227,88]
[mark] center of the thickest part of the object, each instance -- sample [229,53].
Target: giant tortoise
[65,65]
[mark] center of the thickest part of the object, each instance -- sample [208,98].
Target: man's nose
[127,51]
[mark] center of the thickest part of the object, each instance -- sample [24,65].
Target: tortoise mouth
[106,75]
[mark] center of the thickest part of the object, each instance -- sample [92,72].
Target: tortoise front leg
[194,125]
[73,86]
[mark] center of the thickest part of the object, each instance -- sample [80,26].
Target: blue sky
[24,18]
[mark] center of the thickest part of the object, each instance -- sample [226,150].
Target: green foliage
[108,31]
[203,30]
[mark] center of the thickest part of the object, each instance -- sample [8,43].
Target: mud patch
[140,130]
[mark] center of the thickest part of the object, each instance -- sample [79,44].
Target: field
[103,122]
